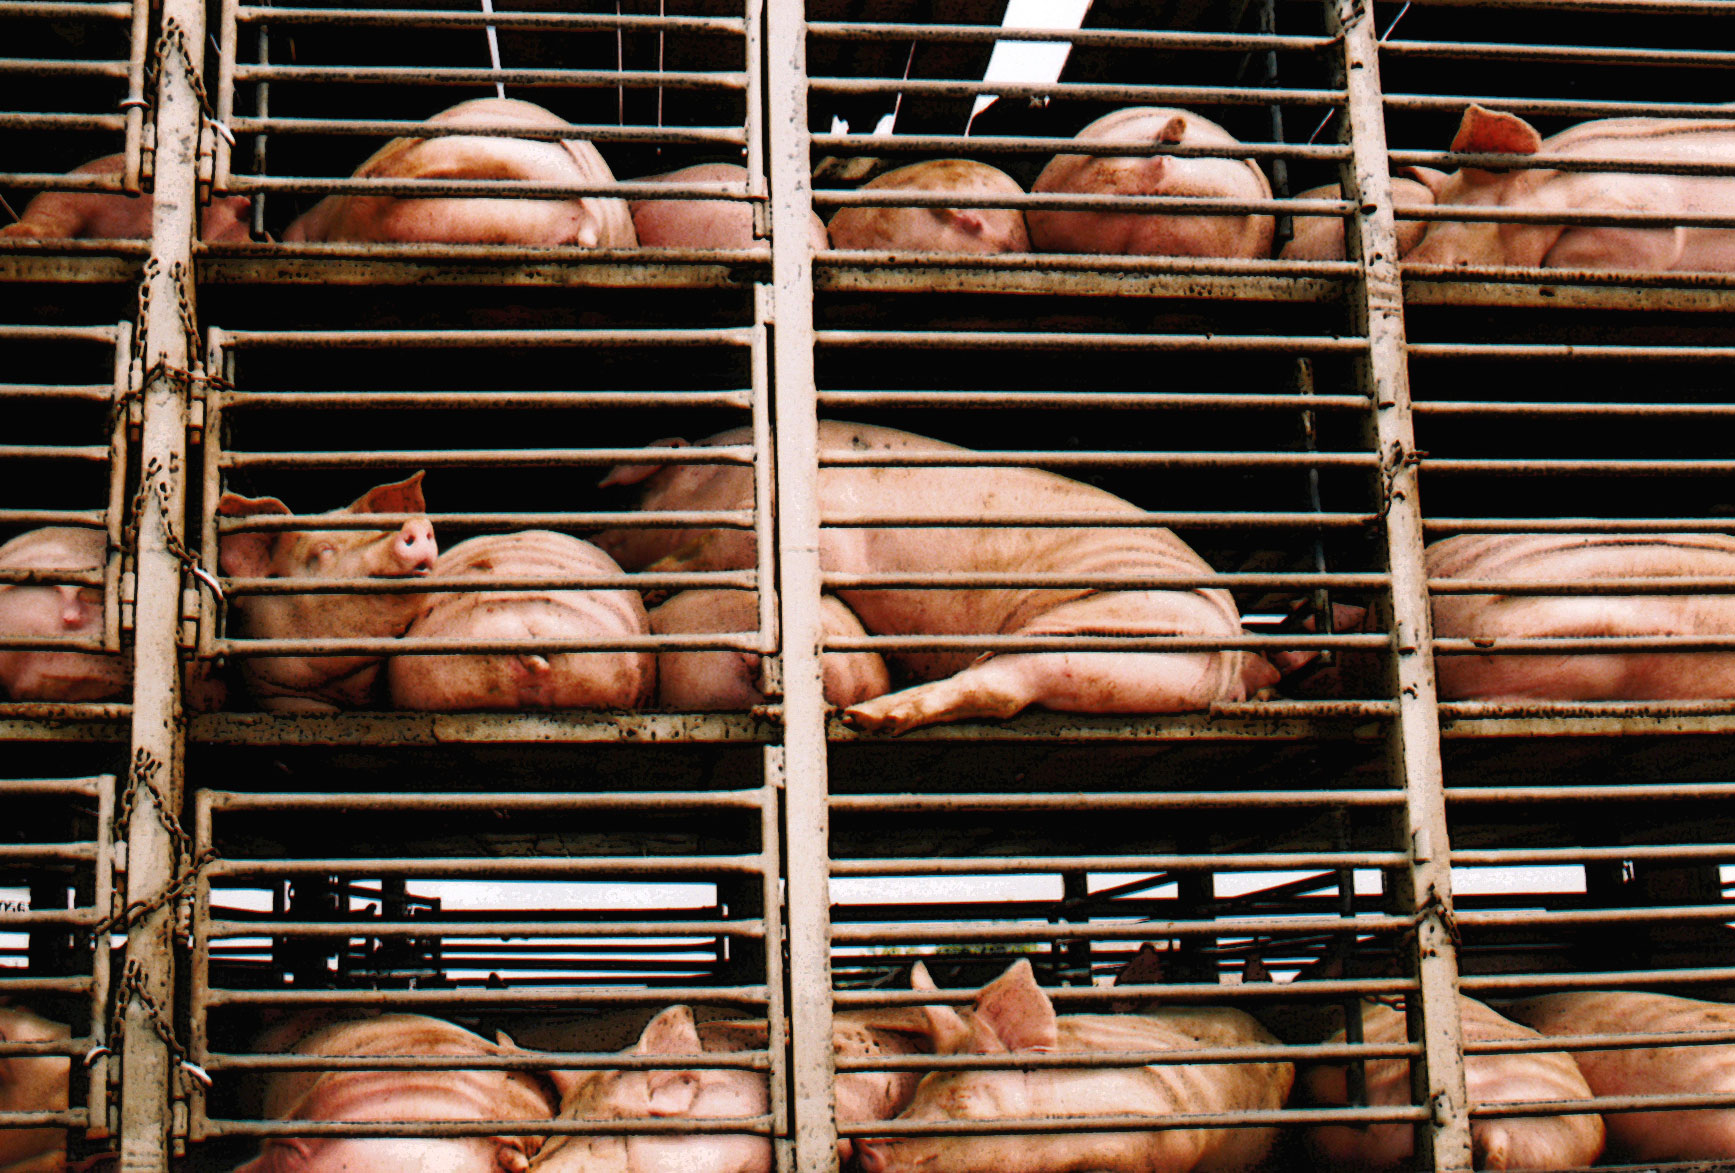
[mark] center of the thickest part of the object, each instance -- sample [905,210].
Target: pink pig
[32,1083]
[1555,246]
[701,223]
[63,611]
[936,230]
[1320,238]
[1168,234]
[67,215]
[314,683]
[584,221]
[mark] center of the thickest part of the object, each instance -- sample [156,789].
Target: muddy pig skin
[936,230]
[699,223]
[718,680]
[69,215]
[585,222]
[1664,248]
[62,611]
[1012,1014]
[32,1083]
[962,684]
[1165,234]
[1515,1142]
[558,680]
[401,1095]
[313,684]
[1705,1135]
[1320,238]
[1553,557]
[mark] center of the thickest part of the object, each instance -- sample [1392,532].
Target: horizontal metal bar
[645,519]
[573,726]
[1172,519]
[1434,527]
[1683,585]
[1083,400]
[1487,52]
[724,80]
[741,336]
[1094,1060]
[83,518]
[749,929]
[682,1126]
[479,400]
[65,10]
[46,852]
[59,123]
[229,800]
[1497,918]
[1634,792]
[886,458]
[1522,467]
[968,932]
[1574,410]
[86,392]
[1289,277]
[522,1061]
[1055,202]
[1050,1125]
[106,335]
[49,643]
[1580,107]
[1575,351]
[419,646]
[492,457]
[1297,580]
[1504,983]
[1093,342]
[1600,1104]
[92,452]
[1174,993]
[545,866]
[475,188]
[740,580]
[1642,7]
[428,18]
[91,578]
[1584,645]
[88,787]
[1118,643]
[1594,164]
[1549,856]
[14,987]
[48,916]
[975,146]
[518,997]
[62,67]
[409,128]
[67,1118]
[1601,1042]
[940,34]
[992,866]
[1124,94]
[1173,800]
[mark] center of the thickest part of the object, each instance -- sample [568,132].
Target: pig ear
[920,979]
[403,497]
[632,474]
[965,219]
[1014,1007]
[671,1032]
[1494,132]
[247,555]
[1145,968]
[948,1030]
[1431,178]
[1174,130]
[510,1158]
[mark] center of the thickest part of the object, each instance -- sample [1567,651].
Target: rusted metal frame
[433,18]
[114,512]
[1299,580]
[559,1126]
[1603,1042]
[1478,984]
[1489,52]
[1008,144]
[83,518]
[595,132]
[1100,267]
[14,9]
[1562,289]
[1473,351]
[54,67]
[806,814]
[228,36]
[198,978]
[459,76]
[1438,526]
[226,800]
[1425,887]
[1192,205]
[492,457]
[942,34]
[1081,400]
[1650,1103]
[1539,410]
[1172,800]
[575,927]
[1147,643]
[551,867]
[1644,7]
[1494,161]
[1126,94]
[1190,520]
[1583,107]
[89,393]
[757,142]
[1571,645]
[102,334]
[1173,992]
[740,580]
[970,458]
[491,400]
[1448,465]
[12,452]
[421,646]
[1039,865]
[448,729]
[553,996]
[647,519]
[98,1057]
[1595,916]
[60,985]
[31,120]
[48,852]
[492,188]
[1546,856]
[1049,1125]
[1478,213]
[476,339]
[527,1061]
[1648,792]
[777,1043]
[1092,1060]
[965,932]
[1095,343]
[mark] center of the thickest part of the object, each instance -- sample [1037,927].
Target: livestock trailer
[191,881]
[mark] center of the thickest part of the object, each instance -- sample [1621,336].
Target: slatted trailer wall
[1305,426]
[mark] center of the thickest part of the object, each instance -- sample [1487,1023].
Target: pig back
[557,680]
[967,230]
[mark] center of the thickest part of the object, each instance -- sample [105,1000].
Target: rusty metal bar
[1016,144]
[1643,7]
[1579,107]
[1095,1060]
[421,927]
[1094,342]
[943,34]
[1178,993]
[560,1126]
[476,996]
[594,132]
[487,457]
[1575,410]
[1476,984]
[463,339]
[968,932]
[460,76]
[1171,800]
[989,865]
[731,519]
[1558,54]
[433,18]
[227,800]
[525,1061]
[1122,94]
[1191,205]
[550,867]
[1048,1125]
[482,400]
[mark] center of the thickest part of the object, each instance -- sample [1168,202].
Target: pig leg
[1079,682]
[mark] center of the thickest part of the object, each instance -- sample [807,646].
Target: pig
[1587,556]
[33,1083]
[401,1095]
[960,684]
[1659,249]
[62,611]
[559,680]
[936,230]
[697,223]
[1512,1142]
[709,681]
[1705,1135]
[1165,234]
[1012,1014]
[73,215]
[582,221]
[1320,238]
[314,684]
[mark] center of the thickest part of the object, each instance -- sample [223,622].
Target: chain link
[188,866]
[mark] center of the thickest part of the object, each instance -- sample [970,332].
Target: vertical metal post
[1415,741]
[154,848]
[807,817]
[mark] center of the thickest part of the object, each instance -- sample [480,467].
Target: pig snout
[415,549]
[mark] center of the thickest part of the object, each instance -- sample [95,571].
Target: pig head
[1166,234]
[584,221]
[32,1083]
[557,680]
[936,230]
[316,683]
[1011,1015]
[70,215]
[61,611]
[702,223]
[1664,248]
[1704,1135]
[1513,1142]
[401,1095]
[1320,238]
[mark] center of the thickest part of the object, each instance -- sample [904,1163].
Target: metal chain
[152,479]
[188,866]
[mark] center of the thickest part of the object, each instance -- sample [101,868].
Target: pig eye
[322,554]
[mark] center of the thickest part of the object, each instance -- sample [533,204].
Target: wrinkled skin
[936,230]
[311,684]
[584,222]
[1153,233]
[63,611]
[1555,246]
[1320,238]
[32,1084]
[558,680]
[964,685]
[1553,557]
[401,1095]
[721,680]
[1012,1014]
[696,223]
[1707,1135]
[73,215]
[1516,1142]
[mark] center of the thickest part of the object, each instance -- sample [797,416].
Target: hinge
[129,596]
[189,618]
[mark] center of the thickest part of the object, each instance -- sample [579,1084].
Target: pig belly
[1705,1135]
[559,680]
